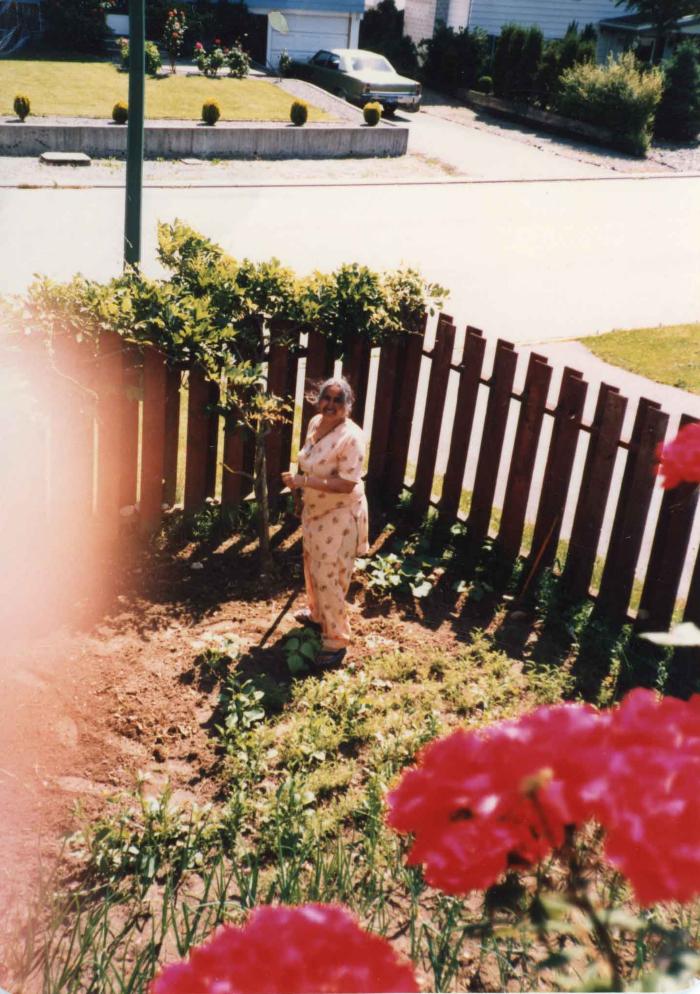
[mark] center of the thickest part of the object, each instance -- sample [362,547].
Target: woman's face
[332,403]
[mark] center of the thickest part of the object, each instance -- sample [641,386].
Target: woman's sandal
[330,658]
[305,619]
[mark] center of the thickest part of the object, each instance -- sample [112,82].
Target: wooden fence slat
[500,389]
[595,488]
[238,461]
[356,372]
[152,438]
[527,436]
[110,393]
[72,448]
[668,552]
[557,473]
[277,379]
[692,604]
[432,418]
[319,362]
[467,395]
[632,508]
[407,372]
[287,429]
[130,394]
[173,380]
[197,440]
[212,437]
[381,420]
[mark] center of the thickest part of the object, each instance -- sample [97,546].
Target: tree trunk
[261,496]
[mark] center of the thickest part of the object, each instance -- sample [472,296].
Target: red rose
[314,947]
[679,460]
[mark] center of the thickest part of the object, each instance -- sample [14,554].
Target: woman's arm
[326,484]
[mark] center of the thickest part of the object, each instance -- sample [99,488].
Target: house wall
[419,19]
[553,16]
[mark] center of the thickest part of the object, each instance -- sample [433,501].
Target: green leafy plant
[238,62]
[152,60]
[299,113]
[120,112]
[484,84]
[301,647]
[22,106]
[209,63]
[619,95]
[75,25]
[454,59]
[211,112]
[241,704]
[372,113]
[391,573]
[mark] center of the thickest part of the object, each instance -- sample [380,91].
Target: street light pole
[134,140]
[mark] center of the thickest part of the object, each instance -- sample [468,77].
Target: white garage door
[308,33]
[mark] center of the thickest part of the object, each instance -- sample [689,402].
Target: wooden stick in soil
[261,496]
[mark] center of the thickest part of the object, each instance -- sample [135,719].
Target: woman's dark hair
[318,389]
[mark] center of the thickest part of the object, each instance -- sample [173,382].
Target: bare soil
[112,693]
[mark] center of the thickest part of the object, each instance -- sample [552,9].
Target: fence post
[593,495]
[557,474]
[212,437]
[500,389]
[532,407]
[441,359]
[668,552]
[153,438]
[110,399]
[632,508]
[467,395]
[278,377]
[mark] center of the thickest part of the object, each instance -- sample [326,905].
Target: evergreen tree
[678,116]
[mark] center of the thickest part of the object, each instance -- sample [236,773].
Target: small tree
[678,116]
[663,15]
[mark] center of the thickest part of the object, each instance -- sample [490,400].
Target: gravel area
[662,157]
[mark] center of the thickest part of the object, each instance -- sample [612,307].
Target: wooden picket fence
[120,409]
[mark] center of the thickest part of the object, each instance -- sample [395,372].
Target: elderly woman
[334,519]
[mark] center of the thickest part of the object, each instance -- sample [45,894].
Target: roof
[308,6]
[637,23]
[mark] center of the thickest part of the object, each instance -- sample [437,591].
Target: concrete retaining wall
[542,118]
[176,140]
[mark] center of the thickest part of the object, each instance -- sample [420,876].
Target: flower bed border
[542,118]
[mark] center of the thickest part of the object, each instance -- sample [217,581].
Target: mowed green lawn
[667,354]
[90,88]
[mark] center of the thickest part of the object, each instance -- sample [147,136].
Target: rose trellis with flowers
[174,30]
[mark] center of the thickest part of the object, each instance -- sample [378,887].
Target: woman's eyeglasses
[336,399]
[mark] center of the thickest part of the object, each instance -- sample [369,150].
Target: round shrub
[678,115]
[299,113]
[484,84]
[120,112]
[238,62]
[211,112]
[372,113]
[151,57]
[22,106]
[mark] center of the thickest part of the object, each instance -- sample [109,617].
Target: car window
[320,58]
[333,62]
[375,63]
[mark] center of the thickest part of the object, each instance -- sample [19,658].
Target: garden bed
[542,118]
[152,699]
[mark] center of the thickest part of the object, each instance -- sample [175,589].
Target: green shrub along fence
[115,436]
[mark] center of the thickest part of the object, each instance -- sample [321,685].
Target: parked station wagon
[360,77]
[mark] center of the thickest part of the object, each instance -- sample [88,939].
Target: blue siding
[319,6]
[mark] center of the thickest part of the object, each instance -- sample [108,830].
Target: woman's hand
[292,481]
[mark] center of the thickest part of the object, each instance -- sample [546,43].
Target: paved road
[490,154]
[526,261]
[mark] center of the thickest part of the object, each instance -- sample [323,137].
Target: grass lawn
[667,354]
[90,88]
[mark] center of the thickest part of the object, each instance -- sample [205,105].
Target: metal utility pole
[134,140]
